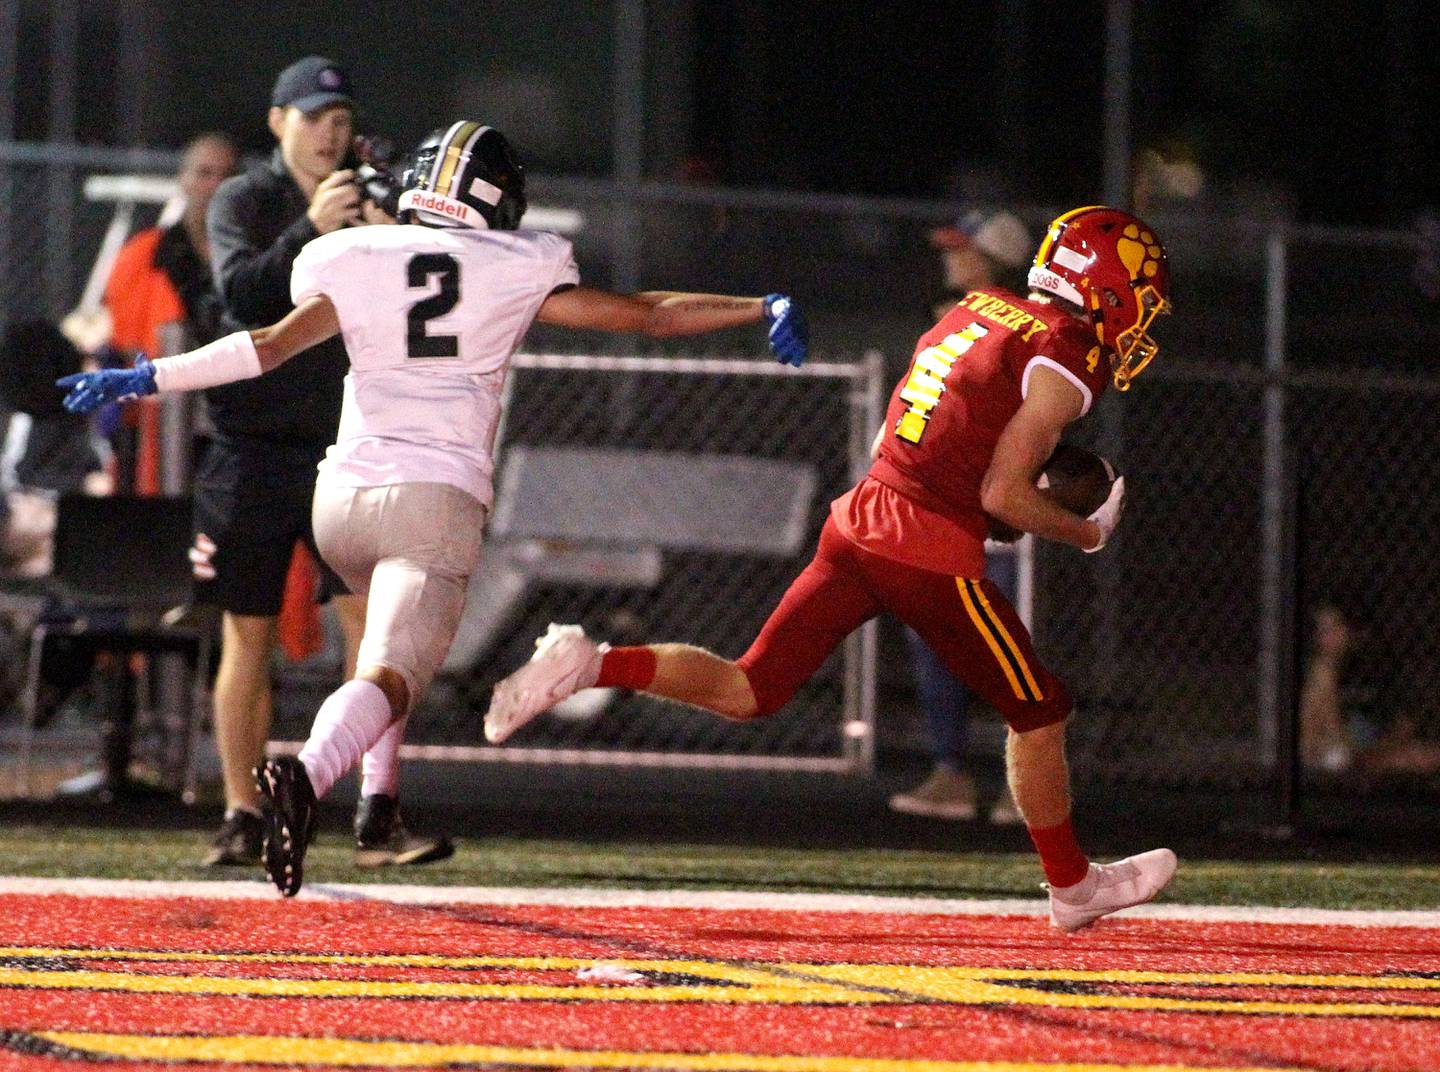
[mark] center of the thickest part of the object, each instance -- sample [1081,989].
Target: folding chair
[121,564]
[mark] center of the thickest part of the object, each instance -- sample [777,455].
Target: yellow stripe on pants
[1001,643]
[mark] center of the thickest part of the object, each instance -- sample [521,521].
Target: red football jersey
[966,380]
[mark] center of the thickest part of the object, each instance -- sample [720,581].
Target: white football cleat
[1108,888]
[565,661]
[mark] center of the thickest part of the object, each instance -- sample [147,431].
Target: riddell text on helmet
[443,205]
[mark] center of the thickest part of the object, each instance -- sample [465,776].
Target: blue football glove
[789,334]
[88,391]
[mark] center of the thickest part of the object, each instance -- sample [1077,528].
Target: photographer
[254,485]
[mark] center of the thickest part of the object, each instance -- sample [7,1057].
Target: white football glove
[1108,516]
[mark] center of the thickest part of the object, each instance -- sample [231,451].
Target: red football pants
[968,623]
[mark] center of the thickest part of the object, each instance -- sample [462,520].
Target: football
[1075,478]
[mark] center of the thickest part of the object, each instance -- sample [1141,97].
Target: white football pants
[410,549]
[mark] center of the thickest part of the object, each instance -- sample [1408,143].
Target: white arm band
[222,361]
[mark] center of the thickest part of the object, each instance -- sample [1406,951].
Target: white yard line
[736,899]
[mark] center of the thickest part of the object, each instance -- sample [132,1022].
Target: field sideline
[139,975]
[128,852]
[651,929]
[582,897]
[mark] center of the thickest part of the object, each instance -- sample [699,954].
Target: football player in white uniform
[431,311]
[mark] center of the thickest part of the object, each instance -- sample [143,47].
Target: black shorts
[252,500]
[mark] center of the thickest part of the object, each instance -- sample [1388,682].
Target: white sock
[382,763]
[348,724]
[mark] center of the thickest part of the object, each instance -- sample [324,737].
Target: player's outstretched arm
[662,314]
[1008,491]
[238,356]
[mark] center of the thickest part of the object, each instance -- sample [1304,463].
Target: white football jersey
[430,318]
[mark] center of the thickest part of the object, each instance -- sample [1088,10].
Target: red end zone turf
[264,983]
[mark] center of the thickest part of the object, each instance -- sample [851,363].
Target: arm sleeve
[252,280]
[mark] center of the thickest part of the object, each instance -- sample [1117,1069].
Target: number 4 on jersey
[419,271]
[927,380]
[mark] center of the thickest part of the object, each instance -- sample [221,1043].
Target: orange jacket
[140,296]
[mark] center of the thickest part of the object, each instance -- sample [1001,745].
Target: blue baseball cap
[312,83]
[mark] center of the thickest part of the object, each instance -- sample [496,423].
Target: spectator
[160,277]
[981,249]
[256,480]
[1349,699]
[162,274]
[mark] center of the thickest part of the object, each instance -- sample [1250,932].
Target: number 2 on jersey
[418,273]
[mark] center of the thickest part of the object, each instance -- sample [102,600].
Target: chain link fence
[1277,457]
[1278,453]
[657,498]
[51,229]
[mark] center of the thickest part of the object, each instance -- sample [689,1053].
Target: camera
[372,159]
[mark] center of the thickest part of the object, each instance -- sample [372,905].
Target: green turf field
[168,854]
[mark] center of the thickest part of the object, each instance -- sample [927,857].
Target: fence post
[1276,699]
[58,273]
[176,419]
[9,46]
[862,648]
[628,143]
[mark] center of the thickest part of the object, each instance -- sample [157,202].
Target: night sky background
[1323,108]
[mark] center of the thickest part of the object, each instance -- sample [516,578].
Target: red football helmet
[1111,265]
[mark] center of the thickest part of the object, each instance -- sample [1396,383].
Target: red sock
[1060,853]
[627,668]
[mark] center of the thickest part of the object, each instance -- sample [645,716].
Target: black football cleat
[382,840]
[288,803]
[238,844]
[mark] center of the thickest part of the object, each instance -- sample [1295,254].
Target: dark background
[1323,109]
[1281,112]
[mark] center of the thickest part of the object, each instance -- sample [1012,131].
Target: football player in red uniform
[989,391]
